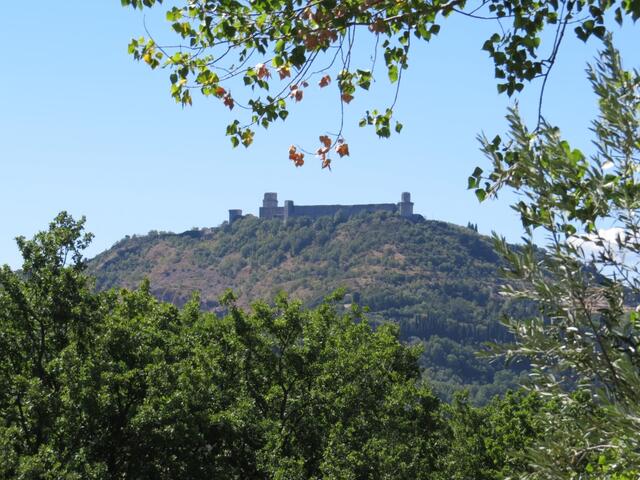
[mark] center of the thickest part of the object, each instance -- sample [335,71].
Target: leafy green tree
[43,309]
[278,48]
[121,385]
[491,442]
[335,400]
[584,343]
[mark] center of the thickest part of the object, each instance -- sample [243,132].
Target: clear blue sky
[84,128]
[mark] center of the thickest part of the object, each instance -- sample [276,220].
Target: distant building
[270,208]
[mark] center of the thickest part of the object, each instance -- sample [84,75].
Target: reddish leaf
[262,71]
[325,140]
[324,81]
[342,149]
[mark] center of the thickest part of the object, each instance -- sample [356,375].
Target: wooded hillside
[437,280]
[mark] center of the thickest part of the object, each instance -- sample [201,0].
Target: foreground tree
[120,385]
[280,48]
[490,442]
[584,344]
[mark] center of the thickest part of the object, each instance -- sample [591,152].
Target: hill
[438,281]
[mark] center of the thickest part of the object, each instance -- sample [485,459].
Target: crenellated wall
[315,211]
[270,208]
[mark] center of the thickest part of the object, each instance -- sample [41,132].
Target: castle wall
[315,211]
[270,208]
[271,212]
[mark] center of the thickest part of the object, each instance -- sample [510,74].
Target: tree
[584,343]
[43,309]
[491,442]
[121,385]
[334,399]
[278,48]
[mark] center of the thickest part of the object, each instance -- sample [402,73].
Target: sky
[84,128]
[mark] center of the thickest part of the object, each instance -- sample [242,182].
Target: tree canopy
[269,52]
[584,342]
[121,385]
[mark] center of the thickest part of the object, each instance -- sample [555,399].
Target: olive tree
[584,343]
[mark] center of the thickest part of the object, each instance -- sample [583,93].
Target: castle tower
[234,215]
[406,205]
[269,207]
[288,209]
[270,200]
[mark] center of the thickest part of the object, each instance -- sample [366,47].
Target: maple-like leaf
[296,93]
[342,149]
[346,97]
[284,72]
[262,71]
[378,26]
[228,101]
[298,161]
[295,156]
[325,140]
[311,41]
[220,92]
[324,81]
[327,35]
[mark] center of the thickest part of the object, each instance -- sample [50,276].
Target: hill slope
[438,281]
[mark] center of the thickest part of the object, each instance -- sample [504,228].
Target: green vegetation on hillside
[107,385]
[437,281]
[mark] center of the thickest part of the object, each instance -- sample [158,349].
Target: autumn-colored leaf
[262,71]
[324,81]
[228,101]
[296,93]
[299,160]
[325,35]
[284,72]
[325,140]
[378,26]
[295,156]
[326,163]
[342,149]
[346,97]
[311,41]
[220,92]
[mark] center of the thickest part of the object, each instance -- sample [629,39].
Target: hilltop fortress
[270,208]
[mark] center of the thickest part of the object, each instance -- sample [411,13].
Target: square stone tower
[270,207]
[406,205]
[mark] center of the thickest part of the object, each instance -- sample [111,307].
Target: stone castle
[270,208]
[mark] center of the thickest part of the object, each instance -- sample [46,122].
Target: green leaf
[392,70]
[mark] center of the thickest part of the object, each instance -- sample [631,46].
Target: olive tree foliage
[120,385]
[584,343]
[270,51]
